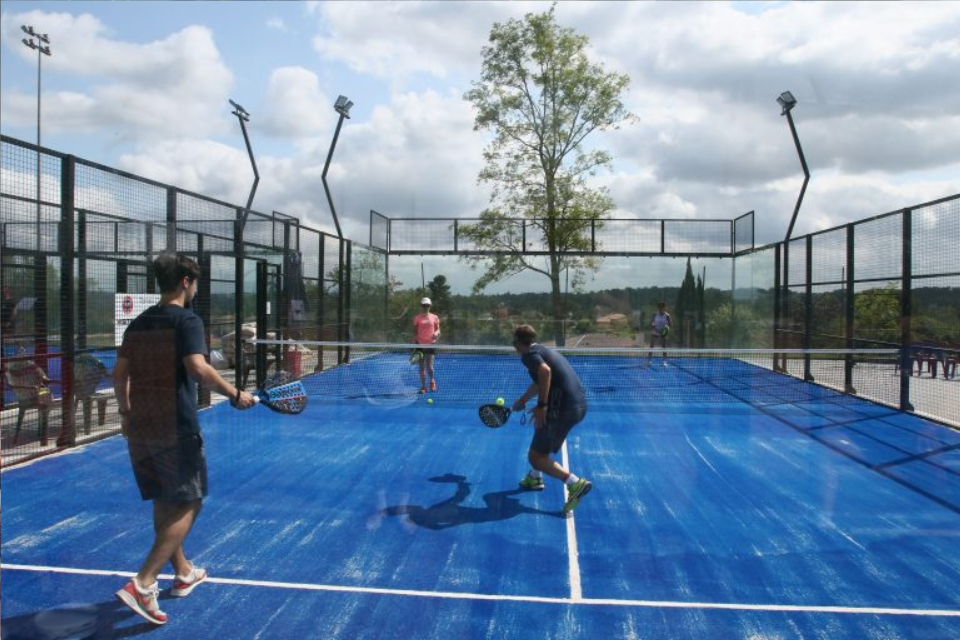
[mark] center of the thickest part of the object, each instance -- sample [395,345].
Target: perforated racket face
[279,379]
[493,415]
[289,405]
[283,396]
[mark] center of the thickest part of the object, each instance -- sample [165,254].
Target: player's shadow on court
[500,505]
[108,619]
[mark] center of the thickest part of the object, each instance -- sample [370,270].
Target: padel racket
[496,415]
[282,393]
[416,356]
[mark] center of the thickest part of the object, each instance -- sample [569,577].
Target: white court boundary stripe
[573,553]
[449,595]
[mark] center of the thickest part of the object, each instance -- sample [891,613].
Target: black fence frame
[62,229]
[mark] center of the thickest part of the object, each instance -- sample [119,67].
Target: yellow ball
[429,400]
[500,402]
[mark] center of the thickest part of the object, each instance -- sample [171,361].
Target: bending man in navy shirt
[561,404]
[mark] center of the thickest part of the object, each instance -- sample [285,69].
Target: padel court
[729,501]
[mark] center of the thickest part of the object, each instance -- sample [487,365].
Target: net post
[260,357]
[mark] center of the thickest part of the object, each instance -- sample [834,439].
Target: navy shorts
[170,472]
[551,437]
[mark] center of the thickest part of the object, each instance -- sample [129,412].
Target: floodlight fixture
[342,106]
[41,38]
[239,111]
[787,101]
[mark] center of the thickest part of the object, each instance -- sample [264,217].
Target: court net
[383,373]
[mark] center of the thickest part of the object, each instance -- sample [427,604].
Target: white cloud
[292,98]
[137,91]
[877,113]
[395,40]
[203,166]
[415,157]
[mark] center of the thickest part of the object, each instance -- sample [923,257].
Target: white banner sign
[126,307]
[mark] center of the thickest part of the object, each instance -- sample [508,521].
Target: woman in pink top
[426,330]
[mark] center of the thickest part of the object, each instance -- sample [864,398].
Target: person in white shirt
[660,325]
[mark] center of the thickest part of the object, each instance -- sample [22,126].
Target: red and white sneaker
[143,601]
[183,585]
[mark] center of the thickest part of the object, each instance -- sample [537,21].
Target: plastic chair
[30,386]
[88,373]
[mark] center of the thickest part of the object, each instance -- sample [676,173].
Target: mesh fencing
[79,258]
[69,256]
[601,236]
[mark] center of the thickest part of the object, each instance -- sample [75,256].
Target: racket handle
[233,401]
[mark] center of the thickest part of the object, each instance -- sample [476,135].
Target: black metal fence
[76,265]
[604,237]
[891,280]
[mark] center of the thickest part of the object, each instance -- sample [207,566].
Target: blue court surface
[780,511]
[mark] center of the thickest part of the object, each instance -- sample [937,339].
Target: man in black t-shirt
[561,405]
[159,364]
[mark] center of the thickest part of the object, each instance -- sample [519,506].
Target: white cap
[425,301]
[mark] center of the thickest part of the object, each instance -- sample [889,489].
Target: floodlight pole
[243,116]
[788,105]
[342,107]
[42,45]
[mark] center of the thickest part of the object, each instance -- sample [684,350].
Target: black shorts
[170,472]
[551,437]
[427,351]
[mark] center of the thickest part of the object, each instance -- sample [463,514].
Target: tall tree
[440,293]
[541,97]
[701,311]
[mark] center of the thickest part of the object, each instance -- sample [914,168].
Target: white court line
[573,554]
[449,595]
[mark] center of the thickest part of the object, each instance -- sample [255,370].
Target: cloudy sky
[144,86]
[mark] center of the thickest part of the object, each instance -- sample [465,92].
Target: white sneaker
[183,585]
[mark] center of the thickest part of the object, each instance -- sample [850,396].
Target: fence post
[849,312]
[68,298]
[203,308]
[776,305]
[808,309]
[346,282]
[238,299]
[260,357]
[906,310]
